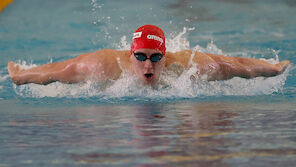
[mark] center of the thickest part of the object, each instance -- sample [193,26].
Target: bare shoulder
[180,58]
[179,54]
[216,57]
[183,58]
[104,63]
[204,58]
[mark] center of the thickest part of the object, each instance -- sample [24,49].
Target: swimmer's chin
[149,83]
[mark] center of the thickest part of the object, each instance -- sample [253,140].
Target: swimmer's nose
[148,64]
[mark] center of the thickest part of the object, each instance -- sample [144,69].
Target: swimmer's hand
[13,71]
[229,67]
[282,66]
[65,72]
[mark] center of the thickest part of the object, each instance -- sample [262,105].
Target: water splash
[123,45]
[3,78]
[170,86]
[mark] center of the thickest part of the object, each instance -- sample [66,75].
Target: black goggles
[143,57]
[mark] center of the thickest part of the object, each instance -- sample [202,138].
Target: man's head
[148,53]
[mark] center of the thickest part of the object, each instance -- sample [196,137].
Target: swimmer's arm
[230,67]
[65,72]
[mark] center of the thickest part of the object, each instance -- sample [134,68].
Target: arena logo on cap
[154,37]
[137,35]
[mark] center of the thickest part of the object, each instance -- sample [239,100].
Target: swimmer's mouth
[148,75]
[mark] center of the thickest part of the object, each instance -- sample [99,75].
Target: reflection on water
[183,134]
[203,134]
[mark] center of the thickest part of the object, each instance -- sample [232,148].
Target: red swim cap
[148,37]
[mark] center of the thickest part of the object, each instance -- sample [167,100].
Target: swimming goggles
[143,57]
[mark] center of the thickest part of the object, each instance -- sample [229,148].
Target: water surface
[237,122]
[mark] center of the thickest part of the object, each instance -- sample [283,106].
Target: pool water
[237,122]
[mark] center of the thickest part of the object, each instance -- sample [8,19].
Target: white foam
[179,42]
[25,65]
[3,78]
[170,85]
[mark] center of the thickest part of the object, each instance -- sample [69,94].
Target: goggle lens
[140,56]
[143,57]
[156,57]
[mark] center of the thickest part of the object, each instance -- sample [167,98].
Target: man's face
[147,71]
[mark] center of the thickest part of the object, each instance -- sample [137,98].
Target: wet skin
[109,64]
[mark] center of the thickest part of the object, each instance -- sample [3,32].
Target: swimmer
[146,59]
